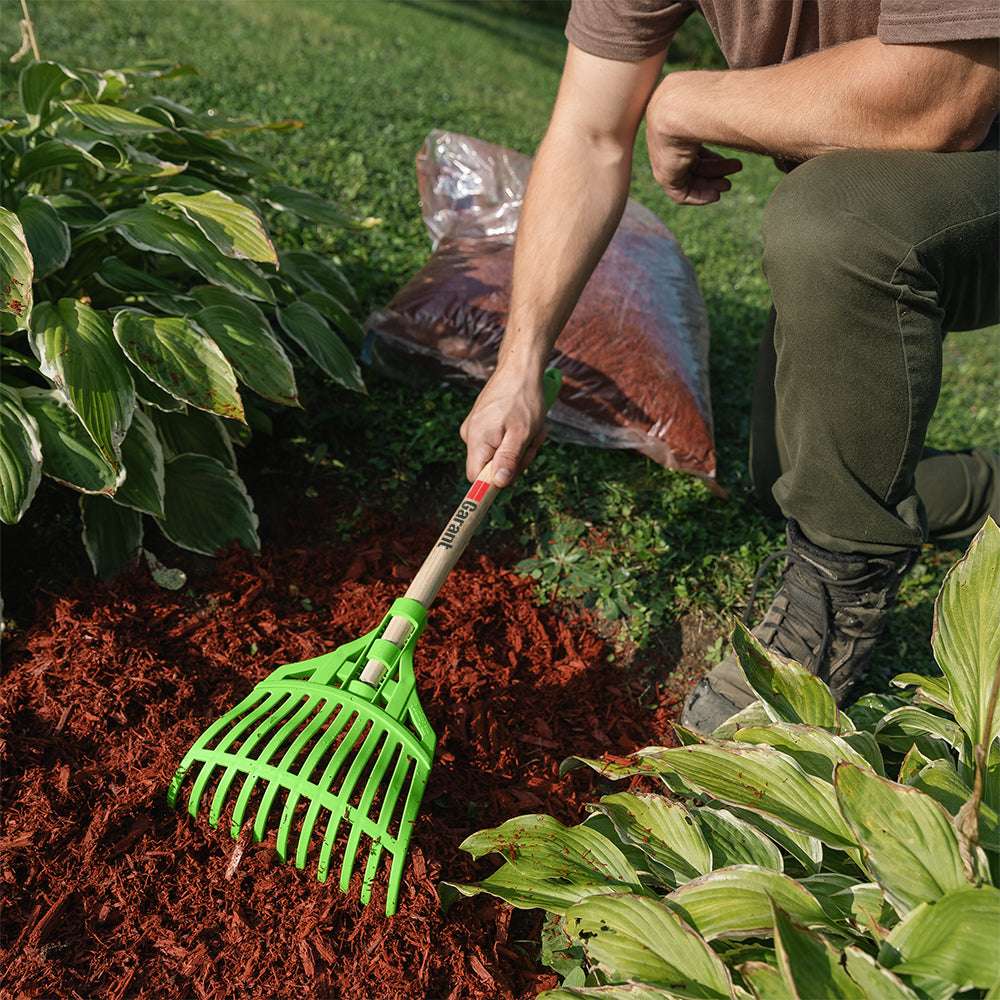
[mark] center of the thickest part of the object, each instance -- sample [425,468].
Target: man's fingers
[476,458]
[507,457]
[717,166]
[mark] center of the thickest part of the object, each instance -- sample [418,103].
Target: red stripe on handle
[478,490]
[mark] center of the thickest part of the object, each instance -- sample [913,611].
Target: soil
[109,893]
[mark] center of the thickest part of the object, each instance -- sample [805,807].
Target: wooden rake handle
[452,542]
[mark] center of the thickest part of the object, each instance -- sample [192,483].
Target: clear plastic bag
[634,354]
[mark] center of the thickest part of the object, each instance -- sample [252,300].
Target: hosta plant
[801,851]
[147,316]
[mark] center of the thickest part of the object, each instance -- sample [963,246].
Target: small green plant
[801,851]
[147,317]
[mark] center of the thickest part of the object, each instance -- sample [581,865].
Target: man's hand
[506,424]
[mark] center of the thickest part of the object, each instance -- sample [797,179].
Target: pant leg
[871,257]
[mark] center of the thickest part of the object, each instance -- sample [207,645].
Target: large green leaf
[306,205]
[809,964]
[76,208]
[150,392]
[940,780]
[78,352]
[930,690]
[65,152]
[122,277]
[664,830]
[142,456]
[147,229]
[112,535]
[69,453]
[195,431]
[38,84]
[252,349]
[954,939]
[966,635]
[336,313]
[110,119]
[815,750]
[735,902]
[909,724]
[628,938]
[207,506]
[310,331]
[907,839]
[235,229]
[20,456]
[16,269]
[874,980]
[766,981]
[181,359]
[47,235]
[793,693]
[622,991]
[762,780]
[309,270]
[734,841]
[844,899]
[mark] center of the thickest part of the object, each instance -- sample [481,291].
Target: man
[881,239]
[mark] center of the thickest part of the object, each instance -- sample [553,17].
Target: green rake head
[325,755]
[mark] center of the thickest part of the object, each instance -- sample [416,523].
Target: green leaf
[252,349]
[613,770]
[735,902]
[755,714]
[307,205]
[766,981]
[235,229]
[147,229]
[941,782]
[16,269]
[151,393]
[61,152]
[865,744]
[906,838]
[912,762]
[69,453]
[181,359]
[20,456]
[931,690]
[142,456]
[195,431]
[733,841]
[38,84]
[665,831]
[122,277]
[874,980]
[627,938]
[966,634]
[77,351]
[312,271]
[109,119]
[623,991]
[76,208]
[207,506]
[954,939]
[806,850]
[46,234]
[908,724]
[844,899]
[809,965]
[815,750]
[544,848]
[337,313]
[310,331]
[789,689]
[112,535]
[762,780]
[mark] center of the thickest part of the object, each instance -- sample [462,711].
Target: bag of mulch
[634,354]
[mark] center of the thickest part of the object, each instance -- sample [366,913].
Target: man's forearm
[860,95]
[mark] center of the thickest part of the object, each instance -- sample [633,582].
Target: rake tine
[329,775]
[295,793]
[413,797]
[385,815]
[343,797]
[388,751]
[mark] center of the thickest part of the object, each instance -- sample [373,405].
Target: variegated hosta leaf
[906,838]
[844,899]
[766,981]
[623,991]
[38,84]
[109,119]
[614,770]
[736,902]
[953,939]
[47,235]
[78,352]
[195,431]
[16,269]
[874,980]
[69,453]
[252,349]
[662,829]
[632,938]
[930,690]
[335,312]
[20,456]
[142,456]
[181,359]
[149,392]
[940,780]
[734,841]
[966,635]
[908,724]
[806,850]
[755,714]
[866,745]
[912,762]
[77,209]
[307,205]
[112,535]
[310,331]
[809,964]
[122,277]
[310,270]
[762,780]
[235,229]
[147,229]
[788,688]
[815,750]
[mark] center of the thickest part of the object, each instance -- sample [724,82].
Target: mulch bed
[109,893]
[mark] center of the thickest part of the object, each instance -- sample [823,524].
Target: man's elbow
[960,130]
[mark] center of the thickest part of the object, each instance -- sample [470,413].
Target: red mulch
[109,893]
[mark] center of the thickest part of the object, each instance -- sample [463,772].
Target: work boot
[827,615]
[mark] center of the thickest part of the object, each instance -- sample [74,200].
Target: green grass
[370,79]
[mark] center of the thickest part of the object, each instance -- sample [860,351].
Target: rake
[340,738]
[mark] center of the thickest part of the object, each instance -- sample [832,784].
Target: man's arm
[574,201]
[859,95]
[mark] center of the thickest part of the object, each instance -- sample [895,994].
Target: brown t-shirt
[765,32]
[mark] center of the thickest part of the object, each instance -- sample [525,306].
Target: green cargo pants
[872,257]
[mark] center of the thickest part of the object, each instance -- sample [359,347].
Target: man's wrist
[673,111]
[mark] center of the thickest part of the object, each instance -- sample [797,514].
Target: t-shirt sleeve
[626,30]
[908,22]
